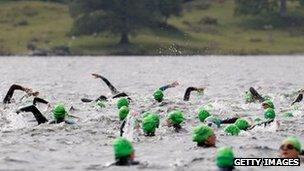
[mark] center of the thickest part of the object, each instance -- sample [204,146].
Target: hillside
[216,30]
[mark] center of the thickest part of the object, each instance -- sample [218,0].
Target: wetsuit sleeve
[256,95]
[229,121]
[122,127]
[39,100]
[109,84]
[85,100]
[102,98]
[121,95]
[188,92]
[265,123]
[10,93]
[163,88]
[298,99]
[37,114]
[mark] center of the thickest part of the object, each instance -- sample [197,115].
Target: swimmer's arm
[40,100]
[10,93]
[298,99]
[256,95]
[174,84]
[229,121]
[108,83]
[265,123]
[121,95]
[122,128]
[189,90]
[37,114]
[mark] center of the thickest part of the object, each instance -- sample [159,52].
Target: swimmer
[8,97]
[124,152]
[114,91]
[159,93]
[59,114]
[204,136]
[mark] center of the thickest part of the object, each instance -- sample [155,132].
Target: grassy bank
[212,31]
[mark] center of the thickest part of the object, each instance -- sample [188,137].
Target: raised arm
[165,87]
[298,99]
[10,93]
[256,95]
[189,90]
[114,91]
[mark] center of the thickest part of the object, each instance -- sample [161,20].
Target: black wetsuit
[125,161]
[226,168]
[188,92]
[256,95]
[265,123]
[10,93]
[114,91]
[37,114]
[40,118]
[298,99]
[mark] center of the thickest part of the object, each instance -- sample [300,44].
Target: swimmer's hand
[96,76]
[200,90]
[174,84]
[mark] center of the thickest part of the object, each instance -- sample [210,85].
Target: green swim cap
[158,95]
[293,141]
[269,113]
[203,114]
[154,115]
[213,119]
[123,112]
[156,119]
[248,97]
[269,103]
[232,129]
[201,133]
[176,117]
[100,104]
[122,148]
[59,112]
[122,102]
[242,124]
[224,157]
[149,124]
[287,115]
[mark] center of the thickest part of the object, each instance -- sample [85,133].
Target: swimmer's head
[158,95]
[122,102]
[123,148]
[242,124]
[203,114]
[149,124]
[59,112]
[224,157]
[123,112]
[175,117]
[203,134]
[290,148]
[213,121]
[232,129]
[269,113]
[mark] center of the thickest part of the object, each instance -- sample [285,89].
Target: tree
[169,8]
[122,17]
[254,7]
